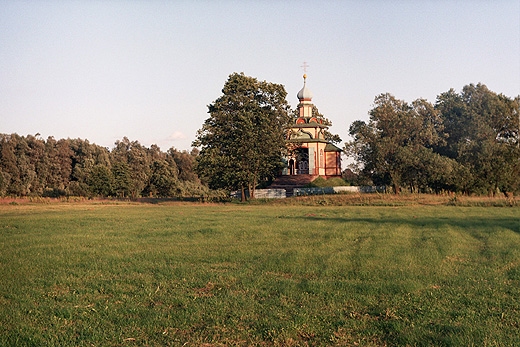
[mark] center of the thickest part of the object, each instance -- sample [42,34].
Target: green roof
[309,125]
[307,140]
[332,148]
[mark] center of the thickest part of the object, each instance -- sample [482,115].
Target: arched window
[322,163]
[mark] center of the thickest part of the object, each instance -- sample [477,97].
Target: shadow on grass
[483,224]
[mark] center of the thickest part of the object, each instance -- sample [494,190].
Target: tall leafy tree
[163,179]
[8,165]
[60,160]
[395,146]
[101,180]
[242,142]
[136,161]
[84,157]
[185,162]
[121,174]
[482,128]
[26,179]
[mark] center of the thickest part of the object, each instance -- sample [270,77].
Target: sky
[103,70]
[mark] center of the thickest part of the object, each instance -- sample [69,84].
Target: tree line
[32,166]
[466,142]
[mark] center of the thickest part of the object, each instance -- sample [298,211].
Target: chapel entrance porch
[299,164]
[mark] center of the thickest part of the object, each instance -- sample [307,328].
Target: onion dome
[305,94]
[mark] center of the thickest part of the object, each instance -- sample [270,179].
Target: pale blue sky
[101,70]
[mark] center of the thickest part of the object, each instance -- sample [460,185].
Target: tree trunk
[396,182]
[251,191]
[397,189]
[242,193]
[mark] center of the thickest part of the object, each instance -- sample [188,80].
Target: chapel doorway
[302,161]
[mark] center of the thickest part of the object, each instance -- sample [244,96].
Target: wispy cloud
[178,135]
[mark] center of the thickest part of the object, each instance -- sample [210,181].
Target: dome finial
[304,94]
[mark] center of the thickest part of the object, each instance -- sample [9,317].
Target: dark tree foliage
[32,166]
[467,142]
[484,137]
[101,181]
[242,142]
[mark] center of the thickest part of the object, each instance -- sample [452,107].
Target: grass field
[97,274]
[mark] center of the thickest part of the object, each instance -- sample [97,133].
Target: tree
[163,180]
[185,163]
[396,146]
[8,165]
[101,180]
[482,129]
[137,165]
[84,157]
[121,174]
[242,142]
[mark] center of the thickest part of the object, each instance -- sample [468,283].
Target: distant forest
[32,166]
[466,142]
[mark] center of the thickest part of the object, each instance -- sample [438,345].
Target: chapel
[309,152]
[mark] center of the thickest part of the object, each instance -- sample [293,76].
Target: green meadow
[273,274]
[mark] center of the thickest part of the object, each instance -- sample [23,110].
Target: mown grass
[265,275]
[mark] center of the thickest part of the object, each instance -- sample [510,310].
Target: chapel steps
[289,182]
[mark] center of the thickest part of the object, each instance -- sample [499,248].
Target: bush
[321,182]
[54,193]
